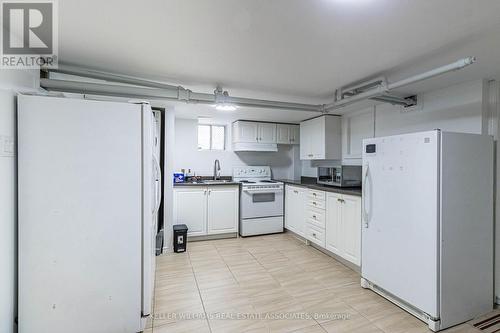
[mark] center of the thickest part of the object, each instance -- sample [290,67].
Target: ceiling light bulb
[225,107]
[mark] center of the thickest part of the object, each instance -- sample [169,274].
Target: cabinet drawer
[316,217]
[315,234]
[318,204]
[317,195]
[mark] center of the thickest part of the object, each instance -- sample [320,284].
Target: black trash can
[180,237]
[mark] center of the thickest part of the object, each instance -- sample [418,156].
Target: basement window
[211,137]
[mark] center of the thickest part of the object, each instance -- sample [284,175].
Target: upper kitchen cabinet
[267,132]
[320,138]
[294,134]
[254,132]
[245,131]
[288,134]
[356,127]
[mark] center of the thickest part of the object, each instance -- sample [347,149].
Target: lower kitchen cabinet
[207,210]
[223,203]
[327,219]
[343,226]
[190,208]
[295,209]
[333,222]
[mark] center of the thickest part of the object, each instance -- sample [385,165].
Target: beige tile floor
[272,276]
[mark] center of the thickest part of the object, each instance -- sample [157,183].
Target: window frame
[211,126]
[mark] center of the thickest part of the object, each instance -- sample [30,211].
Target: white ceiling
[281,49]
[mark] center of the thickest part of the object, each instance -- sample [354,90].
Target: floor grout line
[199,294]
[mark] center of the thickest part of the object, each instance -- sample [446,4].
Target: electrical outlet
[7,146]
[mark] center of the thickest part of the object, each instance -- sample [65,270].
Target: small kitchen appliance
[340,175]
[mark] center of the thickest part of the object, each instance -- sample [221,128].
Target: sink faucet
[216,169]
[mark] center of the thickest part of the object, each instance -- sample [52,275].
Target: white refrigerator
[87,198]
[427,233]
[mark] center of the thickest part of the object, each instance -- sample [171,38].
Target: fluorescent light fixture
[225,107]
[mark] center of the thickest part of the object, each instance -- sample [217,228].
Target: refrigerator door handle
[366,215]
[158,180]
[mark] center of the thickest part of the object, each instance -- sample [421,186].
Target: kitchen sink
[218,181]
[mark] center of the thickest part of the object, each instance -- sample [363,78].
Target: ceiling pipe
[106,76]
[140,88]
[155,93]
[386,88]
[433,72]
[106,89]
[183,94]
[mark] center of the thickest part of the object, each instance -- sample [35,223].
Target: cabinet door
[246,131]
[294,131]
[305,141]
[295,209]
[223,209]
[333,223]
[291,195]
[283,134]
[356,127]
[317,135]
[351,229]
[301,210]
[267,133]
[190,208]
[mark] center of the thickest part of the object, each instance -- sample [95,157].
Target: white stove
[261,202]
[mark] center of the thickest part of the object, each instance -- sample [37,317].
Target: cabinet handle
[314,194]
[314,203]
[209,191]
[310,155]
[295,191]
[205,192]
[314,217]
[314,235]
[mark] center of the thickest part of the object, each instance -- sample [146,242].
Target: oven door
[261,203]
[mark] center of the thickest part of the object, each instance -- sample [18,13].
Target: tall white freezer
[427,235]
[86,201]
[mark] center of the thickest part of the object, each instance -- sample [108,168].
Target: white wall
[457,108]
[168,194]
[11,81]
[283,163]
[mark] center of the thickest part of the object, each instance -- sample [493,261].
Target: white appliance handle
[366,215]
[158,180]
[263,191]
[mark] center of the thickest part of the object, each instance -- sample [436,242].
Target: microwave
[341,175]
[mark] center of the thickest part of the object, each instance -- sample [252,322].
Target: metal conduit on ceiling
[376,89]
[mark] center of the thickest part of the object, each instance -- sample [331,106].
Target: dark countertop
[228,179]
[310,182]
[206,184]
